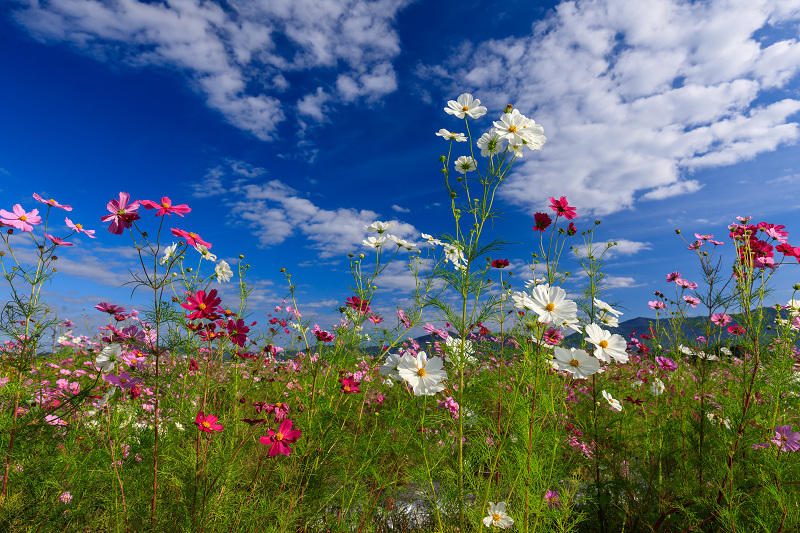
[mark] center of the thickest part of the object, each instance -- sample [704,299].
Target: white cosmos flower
[522,301]
[615,405]
[424,375]
[511,127]
[458,137]
[794,308]
[532,133]
[374,242]
[605,307]
[460,350]
[607,319]
[107,358]
[431,240]
[464,106]
[389,367]
[657,388]
[497,516]
[455,256]
[168,251]
[223,271]
[579,363]
[379,227]
[534,282]
[402,243]
[551,305]
[516,149]
[205,253]
[465,164]
[489,144]
[608,346]
[714,417]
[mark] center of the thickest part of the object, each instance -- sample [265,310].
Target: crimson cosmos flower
[201,304]
[166,207]
[207,423]
[192,239]
[542,220]
[279,441]
[561,208]
[500,263]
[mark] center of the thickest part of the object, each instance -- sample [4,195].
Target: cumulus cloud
[400,209]
[634,96]
[238,55]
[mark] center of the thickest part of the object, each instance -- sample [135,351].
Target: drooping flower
[786,439]
[465,106]
[165,207]
[79,228]
[542,221]
[279,441]
[561,208]
[192,239]
[615,405]
[58,241]
[223,271]
[607,346]
[122,214]
[107,358]
[488,143]
[207,423]
[500,263]
[497,516]
[465,164]
[19,219]
[607,308]
[579,363]
[551,305]
[109,308]
[401,316]
[657,388]
[458,137]
[424,375]
[201,304]
[53,203]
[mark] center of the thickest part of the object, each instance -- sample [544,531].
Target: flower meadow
[526,413]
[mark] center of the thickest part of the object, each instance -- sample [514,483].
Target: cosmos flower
[424,375]
[579,363]
[497,516]
[607,346]
[166,207]
[465,106]
[279,441]
[19,219]
[207,423]
[615,405]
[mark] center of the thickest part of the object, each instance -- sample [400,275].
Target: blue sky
[287,125]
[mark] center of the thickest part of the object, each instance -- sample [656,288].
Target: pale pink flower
[79,228]
[721,319]
[20,219]
[122,214]
[53,203]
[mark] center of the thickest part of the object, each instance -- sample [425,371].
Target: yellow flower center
[496,517]
[79,226]
[604,344]
[165,205]
[784,438]
[512,129]
[51,201]
[205,424]
[421,372]
[123,380]
[575,363]
[465,108]
[278,405]
[278,436]
[550,306]
[193,235]
[201,307]
[346,388]
[23,218]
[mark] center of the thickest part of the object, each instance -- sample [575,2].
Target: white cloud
[620,247]
[313,105]
[400,209]
[231,54]
[620,282]
[634,95]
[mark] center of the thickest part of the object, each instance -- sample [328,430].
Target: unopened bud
[54,269]
[54,258]
[677,232]
[283,270]
[241,256]
[442,159]
[796,286]
[361,256]
[189,269]
[508,109]
[453,194]
[144,234]
[350,256]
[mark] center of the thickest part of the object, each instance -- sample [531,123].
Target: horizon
[659,116]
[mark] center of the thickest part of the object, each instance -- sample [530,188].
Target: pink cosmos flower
[736,329]
[702,237]
[686,284]
[551,498]
[349,385]
[553,336]
[401,316]
[122,214]
[721,319]
[500,263]
[237,332]
[375,319]
[166,207]
[361,305]
[207,423]
[53,203]
[279,441]
[20,219]
[657,305]
[787,249]
[279,411]
[192,239]
[667,364]
[691,300]
[571,229]
[201,304]
[561,208]
[542,221]
[124,380]
[79,228]
[108,308]
[58,241]
[785,439]
[323,336]
[673,276]
[775,231]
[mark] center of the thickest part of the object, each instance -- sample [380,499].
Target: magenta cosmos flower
[542,221]
[166,207]
[674,276]
[657,305]
[122,214]
[51,202]
[58,241]
[500,263]
[207,423]
[20,219]
[109,308]
[79,228]
[785,439]
[736,329]
[124,380]
[201,304]
[667,364]
[561,208]
[361,305]
[237,332]
[279,441]
[350,385]
[192,239]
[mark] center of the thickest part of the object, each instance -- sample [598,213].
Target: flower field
[527,412]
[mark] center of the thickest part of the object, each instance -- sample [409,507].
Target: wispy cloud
[634,96]
[238,55]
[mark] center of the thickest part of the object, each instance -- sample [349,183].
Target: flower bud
[241,256]
[508,109]
[54,258]
[144,234]
[677,232]
[796,286]
[283,270]
[361,256]
[189,269]
[452,195]
[54,269]
[442,159]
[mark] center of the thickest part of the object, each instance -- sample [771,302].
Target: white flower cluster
[379,228]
